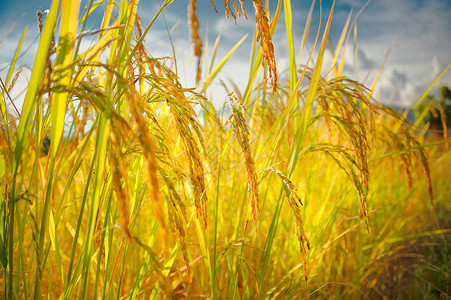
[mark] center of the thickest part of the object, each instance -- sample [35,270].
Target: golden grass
[120,208]
[265,38]
[295,204]
[242,134]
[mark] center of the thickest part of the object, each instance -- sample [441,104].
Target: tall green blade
[63,69]
[33,86]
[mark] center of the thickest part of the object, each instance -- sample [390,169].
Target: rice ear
[232,9]
[242,134]
[119,172]
[194,27]
[264,35]
[295,202]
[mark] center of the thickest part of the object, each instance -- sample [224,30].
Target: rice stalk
[406,160]
[181,117]
[148,149]
[194,28]
[348,118]
[120,185]
[167,88]
[265,38]
[231,9]
[403,139]
[295,204]
[13,82]
[242,134]
[426,170]
[178,218]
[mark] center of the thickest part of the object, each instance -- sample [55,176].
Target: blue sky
[417,57]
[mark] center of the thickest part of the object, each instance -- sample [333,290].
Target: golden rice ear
[120,186]
[197,42]
[242,9]
[295,203]
[232,9]
[242,134]
[264,35]
[214,6]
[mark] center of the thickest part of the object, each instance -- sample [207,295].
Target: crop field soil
[118,182]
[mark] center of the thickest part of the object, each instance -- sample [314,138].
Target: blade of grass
[100,160]
[295,151]
[63,70]
[411,149]
[141,39]
[282,122]
[341,43]
[203,86]
[306,30]
[415,106]
[16,54]
[290,40]
[33,85]
[308,105]
[167,268]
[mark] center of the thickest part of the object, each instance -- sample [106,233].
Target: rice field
[119,182]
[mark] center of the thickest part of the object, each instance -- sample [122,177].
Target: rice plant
[119,182]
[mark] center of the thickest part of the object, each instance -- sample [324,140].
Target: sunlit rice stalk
[264,35]
[242,134]
[295,202]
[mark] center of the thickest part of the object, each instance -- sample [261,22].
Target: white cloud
[416,59]
[419,55]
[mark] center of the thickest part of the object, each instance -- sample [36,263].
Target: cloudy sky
[421,52]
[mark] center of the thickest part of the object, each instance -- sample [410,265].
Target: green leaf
[63,70]
[289,28]
[2,167]
[3,255]
[33,86]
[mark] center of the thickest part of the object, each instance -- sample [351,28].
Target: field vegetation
[118,182]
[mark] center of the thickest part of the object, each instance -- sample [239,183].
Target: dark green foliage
[438,110]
